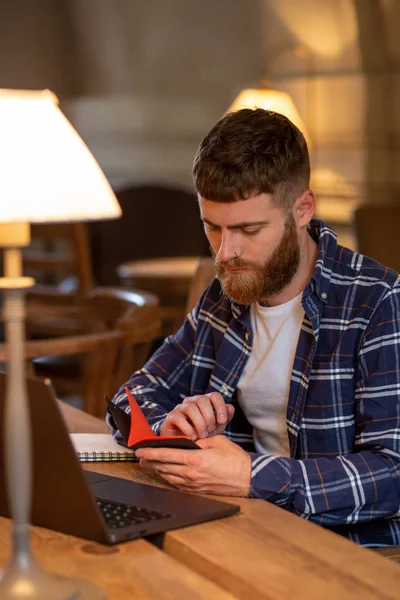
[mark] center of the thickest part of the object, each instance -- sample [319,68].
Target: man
[286,373]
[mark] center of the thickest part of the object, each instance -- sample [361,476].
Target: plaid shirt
[343,413]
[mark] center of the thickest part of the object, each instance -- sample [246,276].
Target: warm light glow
[47,172]
[274,100]
[327,180]
[327,27]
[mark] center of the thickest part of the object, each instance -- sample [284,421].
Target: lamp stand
[22,578]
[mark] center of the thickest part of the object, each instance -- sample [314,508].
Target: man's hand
[199,417]
[221,467]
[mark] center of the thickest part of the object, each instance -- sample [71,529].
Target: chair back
[157,221]
[113,333]
[377,229]
[98,353]
[136,315]
[205,273]
[59,257]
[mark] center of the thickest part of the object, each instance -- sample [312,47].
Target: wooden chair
[124,323]
[98,353]
[59,258]
[377,231]
[136,314]
[169,278]
[204,274]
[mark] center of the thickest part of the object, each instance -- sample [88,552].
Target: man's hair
[250,152]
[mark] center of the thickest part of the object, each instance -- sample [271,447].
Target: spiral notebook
[98,447]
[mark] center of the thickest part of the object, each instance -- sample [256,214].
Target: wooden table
[169,278]
[180,268]
[262,553]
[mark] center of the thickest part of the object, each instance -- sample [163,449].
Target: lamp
[47,174]
[268,99]
[278,100]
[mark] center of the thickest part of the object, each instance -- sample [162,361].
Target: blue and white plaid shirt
[343,414]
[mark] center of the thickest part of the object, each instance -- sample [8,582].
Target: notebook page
[99,446]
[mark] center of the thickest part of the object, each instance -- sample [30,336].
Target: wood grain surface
[268,553]
[264,552]
[133,570]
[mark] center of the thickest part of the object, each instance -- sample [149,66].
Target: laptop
[91,505]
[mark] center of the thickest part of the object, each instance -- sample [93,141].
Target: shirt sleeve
[365,484]
[164,381]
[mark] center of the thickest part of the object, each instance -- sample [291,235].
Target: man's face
[255,247]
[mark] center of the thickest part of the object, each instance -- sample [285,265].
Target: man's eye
[251,231]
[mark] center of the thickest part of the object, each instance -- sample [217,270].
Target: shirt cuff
[270,478]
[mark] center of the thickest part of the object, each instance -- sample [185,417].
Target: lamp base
[31,583]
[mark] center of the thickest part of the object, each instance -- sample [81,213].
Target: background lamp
[47,174]
[268,99]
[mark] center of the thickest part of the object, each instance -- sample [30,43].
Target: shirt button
[324,296]
[246,337]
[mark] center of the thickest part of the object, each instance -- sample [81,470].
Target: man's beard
[262,281]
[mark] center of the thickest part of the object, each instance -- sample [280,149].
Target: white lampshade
[275,100]
[47,173]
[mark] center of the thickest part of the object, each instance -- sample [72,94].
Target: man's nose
[227,250]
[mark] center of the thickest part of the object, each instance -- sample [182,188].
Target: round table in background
[167,277]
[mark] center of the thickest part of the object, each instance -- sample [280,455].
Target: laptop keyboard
[118,514]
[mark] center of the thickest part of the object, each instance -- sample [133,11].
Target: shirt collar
[326,239]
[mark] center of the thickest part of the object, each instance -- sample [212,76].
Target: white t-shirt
[263,389]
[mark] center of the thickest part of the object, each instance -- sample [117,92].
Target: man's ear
[304,208]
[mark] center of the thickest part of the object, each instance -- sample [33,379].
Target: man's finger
[192,412]
[206,408]
[179,421]
[219,407]
[166,455]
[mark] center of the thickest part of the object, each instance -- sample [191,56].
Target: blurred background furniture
[154,246]
[98,359]
[106,336]
[59,259]
[377,228]
[157,221]
[169,279]
[89,348]
[203,276]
